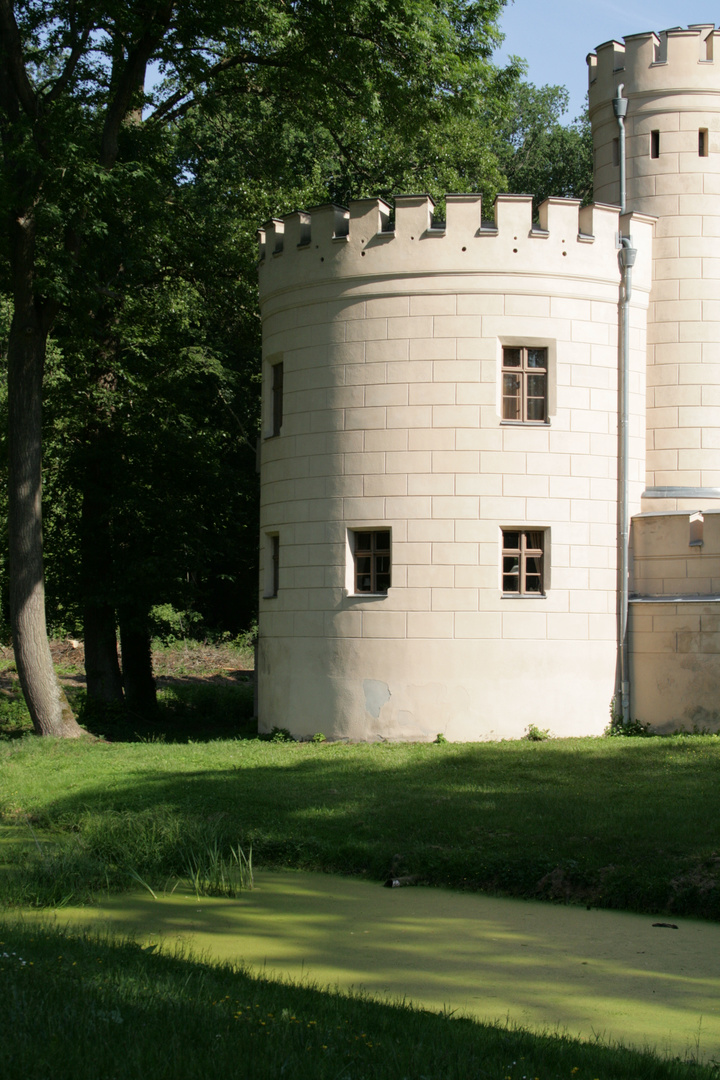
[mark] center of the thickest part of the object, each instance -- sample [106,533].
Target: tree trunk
[45,699]
[138,678]
[104,682]
[102,669]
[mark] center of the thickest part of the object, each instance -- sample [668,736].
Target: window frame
[375,554]
[532,544]
[522,373]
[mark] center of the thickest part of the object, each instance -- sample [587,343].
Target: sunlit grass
[623,823]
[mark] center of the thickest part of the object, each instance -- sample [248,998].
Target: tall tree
[72,74]
[538,153]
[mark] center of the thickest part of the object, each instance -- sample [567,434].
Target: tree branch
[131,79]
[12,54]
[71,63]
[162,111]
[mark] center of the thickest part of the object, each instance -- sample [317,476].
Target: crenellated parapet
[673,60]
[366,240]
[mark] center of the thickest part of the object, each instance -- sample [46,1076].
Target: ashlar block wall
[391,344]
[675,620]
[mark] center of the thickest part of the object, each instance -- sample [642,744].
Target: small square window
[371,558]
[523,555]
[524,384]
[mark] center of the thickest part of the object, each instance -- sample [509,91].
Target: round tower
[439,466]
[672,85]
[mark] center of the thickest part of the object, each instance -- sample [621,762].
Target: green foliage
[213,873]
[168,626]
[119,850]
[618,728]
[278,735]
[440,738]
[318,737]
[535,734]
[539,154]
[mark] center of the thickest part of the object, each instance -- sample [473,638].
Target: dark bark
[102,668]
[138,680]
[104,682]
[45,699]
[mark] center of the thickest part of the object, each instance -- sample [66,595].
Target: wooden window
[372,561]
[524,386]
[277,398]
[654,144]
[522,562]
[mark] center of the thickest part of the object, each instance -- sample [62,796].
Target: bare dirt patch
[189,660]
[204,691]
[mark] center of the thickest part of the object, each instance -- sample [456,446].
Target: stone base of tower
[674,624]
[675,664]
[469,691]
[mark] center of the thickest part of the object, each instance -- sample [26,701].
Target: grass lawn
[623,823]
[619,823]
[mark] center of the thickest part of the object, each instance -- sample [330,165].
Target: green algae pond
[590,974]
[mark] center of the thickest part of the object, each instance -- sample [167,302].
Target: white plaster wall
[391,345]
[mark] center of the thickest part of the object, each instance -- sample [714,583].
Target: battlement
[675,59]
[363,240]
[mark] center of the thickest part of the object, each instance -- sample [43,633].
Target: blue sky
[555,36]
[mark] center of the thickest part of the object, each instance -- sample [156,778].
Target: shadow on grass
[84,1007]
[625,823]
[189,709]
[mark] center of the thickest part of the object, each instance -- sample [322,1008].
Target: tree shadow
[626,823]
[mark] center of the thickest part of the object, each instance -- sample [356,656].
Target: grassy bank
[79,1008]
[616,823]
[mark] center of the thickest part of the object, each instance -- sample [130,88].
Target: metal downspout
[620,106]
[626,258]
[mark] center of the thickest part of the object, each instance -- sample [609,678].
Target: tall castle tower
[439,466]
[444,482]
[672,85]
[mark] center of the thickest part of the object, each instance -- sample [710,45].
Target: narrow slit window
[275,555]
[371,553]
[277,398]
[616,152]
[703,142]
[523,554]
[654,144]
[272,566]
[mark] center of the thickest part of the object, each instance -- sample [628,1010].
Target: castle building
[464,419]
